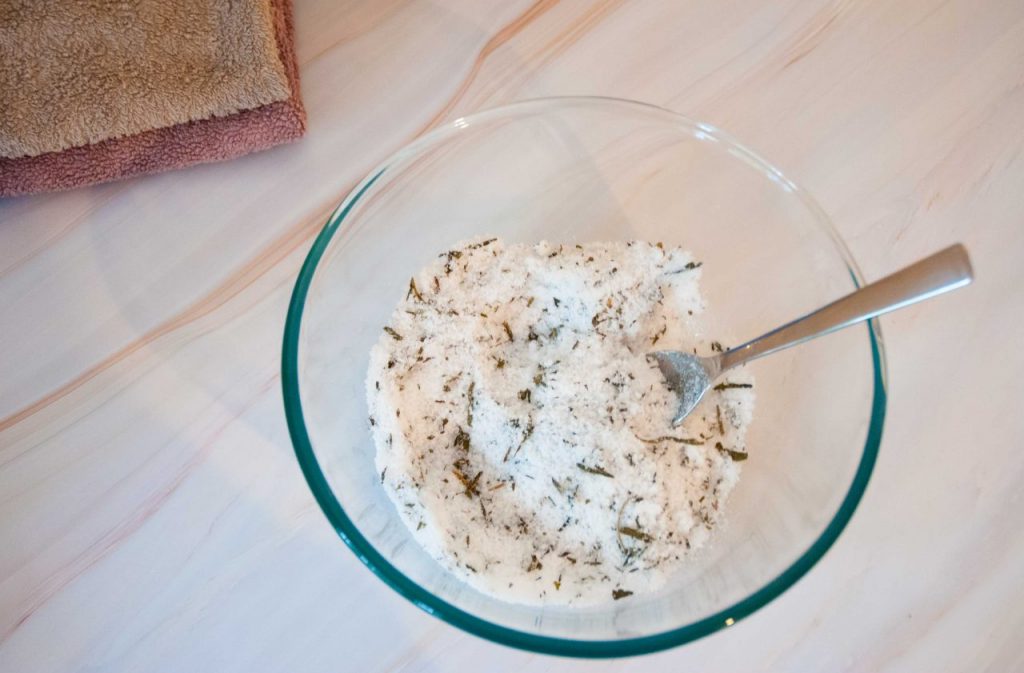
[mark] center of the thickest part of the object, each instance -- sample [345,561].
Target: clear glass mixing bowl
[584,169]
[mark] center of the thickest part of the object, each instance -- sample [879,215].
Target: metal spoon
[691,376]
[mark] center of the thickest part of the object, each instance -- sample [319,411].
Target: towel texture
[74,72]
[213,139]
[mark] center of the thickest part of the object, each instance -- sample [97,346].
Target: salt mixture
[524,437]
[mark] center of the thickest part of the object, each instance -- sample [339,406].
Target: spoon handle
[946,270]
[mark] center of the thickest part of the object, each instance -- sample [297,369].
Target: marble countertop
[153,518]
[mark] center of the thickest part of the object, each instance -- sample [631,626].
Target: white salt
[523,436]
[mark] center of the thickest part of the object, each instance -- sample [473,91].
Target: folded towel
[74,72]
[213,139]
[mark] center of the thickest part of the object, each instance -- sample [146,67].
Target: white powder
[523,436]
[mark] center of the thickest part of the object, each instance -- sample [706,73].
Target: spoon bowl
[689,375]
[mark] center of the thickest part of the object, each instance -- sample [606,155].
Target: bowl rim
[429,602]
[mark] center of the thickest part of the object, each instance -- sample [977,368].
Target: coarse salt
[523,436]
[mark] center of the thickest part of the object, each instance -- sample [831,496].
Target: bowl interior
[575,170]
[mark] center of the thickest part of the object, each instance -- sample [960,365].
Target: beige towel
[74,72]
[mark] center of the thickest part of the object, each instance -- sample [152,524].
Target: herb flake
[600,471]
[728,385]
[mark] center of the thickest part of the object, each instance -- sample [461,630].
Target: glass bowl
[583,169]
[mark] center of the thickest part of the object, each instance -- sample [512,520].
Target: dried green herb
[690,266]
[558,486]
[468,484]
[525,394]
[620,593]
[508,331]
[451,255]
[469,409]
[727,385]
[461,440]
[526,435]
[677,440]
[538,379]
[735,455]
[394,335]
[413,290]
[500,364]
[595,470]
[635,533]
[717,347]
[535,564]
[382,473]
[718,416]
